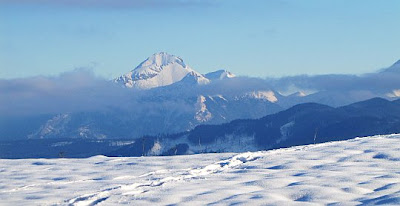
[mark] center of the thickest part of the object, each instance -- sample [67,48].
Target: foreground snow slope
[358,171]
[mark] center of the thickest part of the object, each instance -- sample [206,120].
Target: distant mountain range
[160,78]
[302,124]
[171,97]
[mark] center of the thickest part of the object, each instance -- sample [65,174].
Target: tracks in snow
[154,182]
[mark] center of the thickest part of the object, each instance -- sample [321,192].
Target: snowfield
[359,171]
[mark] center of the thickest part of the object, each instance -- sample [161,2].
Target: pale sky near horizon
[261,38]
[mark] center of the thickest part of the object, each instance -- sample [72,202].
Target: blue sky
[256,38]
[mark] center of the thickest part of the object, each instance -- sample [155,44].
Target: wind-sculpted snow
[353,172]
[154,181]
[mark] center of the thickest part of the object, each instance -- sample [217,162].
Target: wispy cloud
[377,82]
[78,91]
[70,92]
[81,90]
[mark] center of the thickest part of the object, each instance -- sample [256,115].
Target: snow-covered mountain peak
[158,60]
[162,69]
[194,77]
[394,68]
[396,64]
[220,74]
[158,70]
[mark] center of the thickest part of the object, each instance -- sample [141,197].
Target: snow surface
[353,172]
